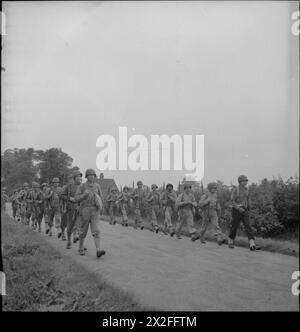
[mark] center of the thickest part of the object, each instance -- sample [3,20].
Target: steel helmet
[45,184]
[89,171]
[25,184]
[212,185]
[169,185]
[187,186]
[154,186]
[242,178]
[76,173]
[139,182]
[55,180]
[125,188]
[35,184]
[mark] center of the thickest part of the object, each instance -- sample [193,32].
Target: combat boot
[221,241]
[68,246]
[253,246]
[100,253]
[81,248]
[63,236]
[202,240]
[178,236]
[230,244]
[195,237]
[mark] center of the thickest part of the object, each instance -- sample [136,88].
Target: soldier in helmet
[64,212]
[14,204]
[168,200]
[186,204]
[124,199]
[154,200]
[90,197]
[139,197]
[211,210]
[240,212]
[55,202]
[72,207]
[35,200]
[24,208]
[112,201]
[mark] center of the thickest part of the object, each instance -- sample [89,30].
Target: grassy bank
[38,278]
[282,246]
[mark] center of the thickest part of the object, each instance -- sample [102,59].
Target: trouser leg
[95,228]
[235,222]
[248,229]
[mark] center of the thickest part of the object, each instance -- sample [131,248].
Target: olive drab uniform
[124,199]
[168,200]
[240,212]
[211,210]
[24,208]
[35,200]
[186,212]
[55,203]
[72,210]
[15,205]
[46,206]
[138,196]
[112,201]
[90,209]
[154,201]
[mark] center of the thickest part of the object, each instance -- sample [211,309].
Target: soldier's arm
[178,202]
[204,200]
[194,203]
[64,193]
[233,198]
[149,198]
[80,195]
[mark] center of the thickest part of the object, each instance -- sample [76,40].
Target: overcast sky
[226,70]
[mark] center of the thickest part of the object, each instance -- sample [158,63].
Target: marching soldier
[240,212]
[154,200]
[35,201]
[211,211]
[168,200]
[15,205]
[112,201]
[124,200]
[138,196]
[186,204]
[46,205]
[55,203]
[64,212]
[4,200]
[22,200]
[90,198]
[72,214]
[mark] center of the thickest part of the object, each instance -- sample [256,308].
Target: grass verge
[38,278]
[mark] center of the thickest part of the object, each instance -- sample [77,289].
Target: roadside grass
[39,278]
[283,246]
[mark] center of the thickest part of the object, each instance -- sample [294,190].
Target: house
[106,185]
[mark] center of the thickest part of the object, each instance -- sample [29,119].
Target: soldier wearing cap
[168,200]
[72,207]
[90,197]
[124,199]
[112,202]
[139,197]
[46,204]
[186,204]
[154,201]
[240,203]
[35,200]
[211,211]
[55,202]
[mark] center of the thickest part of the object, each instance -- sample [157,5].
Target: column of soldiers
[72,208]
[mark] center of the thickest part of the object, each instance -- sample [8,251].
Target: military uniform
[46,205]
[35,200]
[186,213]
[168,200]
[211,210]
[90,212]
[154,201]
[55,203]
[124,199]
[138,196]
[24,206]
[111,200]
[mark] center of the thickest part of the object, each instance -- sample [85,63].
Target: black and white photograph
[149,159]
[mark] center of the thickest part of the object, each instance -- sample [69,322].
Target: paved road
[165,273]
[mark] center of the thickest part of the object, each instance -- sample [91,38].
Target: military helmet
[76,173]
[125,188]
[25,184]
[89,171]
[154,186]
[169,185]
[139,182]
[187,186]
[212,185]
[35,184]
[45,184]
[55,180]
[242,178]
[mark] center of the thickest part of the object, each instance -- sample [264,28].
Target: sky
[225,70]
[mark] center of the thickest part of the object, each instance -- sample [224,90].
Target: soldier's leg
[249,232]
[235,222]
[137,218]
[180,222]
[124,215]
[111,215]
[114,215]
[64,223]
[190,226]
[70,226]
[76,227]
[155,212]
[83,229]
[57,220]
[95,227]
[51,221]
[205,222]
[46,218]
[221,238]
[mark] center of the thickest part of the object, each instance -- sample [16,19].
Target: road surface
[165,273]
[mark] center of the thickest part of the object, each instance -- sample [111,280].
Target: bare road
[165,273]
